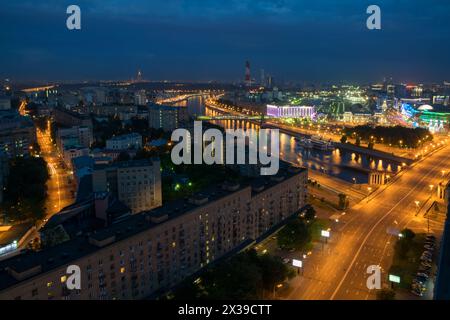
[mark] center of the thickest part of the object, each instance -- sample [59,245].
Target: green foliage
[406,260]
[295,235]
[26,189]
[244,276]
[201,177]
[391,135]
[310,214]
[408,234]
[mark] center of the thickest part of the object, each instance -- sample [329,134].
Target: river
[342,164]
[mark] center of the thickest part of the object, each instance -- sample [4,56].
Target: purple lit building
[290,111]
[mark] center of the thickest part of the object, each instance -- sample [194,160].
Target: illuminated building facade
[290,111]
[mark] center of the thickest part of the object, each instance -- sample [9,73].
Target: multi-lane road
[360,239]
[60,186]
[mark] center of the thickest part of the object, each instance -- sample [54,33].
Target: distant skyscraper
[263,78]
[140,98]
[248,79]
[139,76]
[269,81]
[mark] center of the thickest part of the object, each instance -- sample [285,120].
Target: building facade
[124,142]
[136,183]
[17,134]
[167,118]
[149,253]
[290,111]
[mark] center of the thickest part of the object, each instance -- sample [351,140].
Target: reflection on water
[343,164]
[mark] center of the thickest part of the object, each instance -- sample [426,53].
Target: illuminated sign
[325,233]
[393,278]
[297,263]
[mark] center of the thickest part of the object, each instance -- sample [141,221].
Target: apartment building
[135,183]
[124,142]
[17,134]
[122,111]
[167,118]
[81,134]
[148,253]
[71,118]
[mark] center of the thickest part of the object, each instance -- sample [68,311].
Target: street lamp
[417,206]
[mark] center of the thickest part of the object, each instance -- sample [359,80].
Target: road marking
[375,225]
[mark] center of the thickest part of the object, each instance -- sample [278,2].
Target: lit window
[63,279]
[122,270]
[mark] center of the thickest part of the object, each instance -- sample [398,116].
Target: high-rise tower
[248,79]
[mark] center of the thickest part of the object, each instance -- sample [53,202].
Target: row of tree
[246,276]
[26,189]
[396,136]
[297,233]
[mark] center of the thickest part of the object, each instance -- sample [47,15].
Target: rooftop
[83,245]
[126,136]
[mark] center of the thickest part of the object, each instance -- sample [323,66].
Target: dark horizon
[297,41]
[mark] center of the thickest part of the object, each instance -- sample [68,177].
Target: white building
[290,111]
[123,142]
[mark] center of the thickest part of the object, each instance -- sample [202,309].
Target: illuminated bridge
[180,98]
[233,117]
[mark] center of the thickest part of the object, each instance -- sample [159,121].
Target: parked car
[421,274]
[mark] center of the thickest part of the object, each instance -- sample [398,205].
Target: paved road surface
[360,238]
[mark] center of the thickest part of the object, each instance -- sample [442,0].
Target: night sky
[294,40]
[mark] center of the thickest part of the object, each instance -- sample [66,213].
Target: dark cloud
[323,40]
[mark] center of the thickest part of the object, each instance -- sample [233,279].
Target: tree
[273,270]
[344,139]
[294,235]
[386,294]
[310,214]
[26,189]
[343,201]
[408,234]
[403,245]
[243,276]
[358,141]
[238,278]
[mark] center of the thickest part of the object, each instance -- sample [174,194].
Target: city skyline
[195,41]
[241,150]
